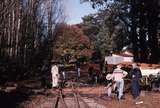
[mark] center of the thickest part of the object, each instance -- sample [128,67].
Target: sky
[76,10]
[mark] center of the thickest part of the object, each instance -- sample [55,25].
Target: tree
[71,40]
[107,28]
[27,33]
[141,20]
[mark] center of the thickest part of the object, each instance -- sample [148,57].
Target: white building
[147,72]
[119,58]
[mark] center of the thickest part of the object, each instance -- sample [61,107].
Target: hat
[119,66]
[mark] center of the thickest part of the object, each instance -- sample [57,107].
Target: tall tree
[107,28]
[142,23]
[26,32]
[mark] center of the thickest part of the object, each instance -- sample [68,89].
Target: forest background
[34,32]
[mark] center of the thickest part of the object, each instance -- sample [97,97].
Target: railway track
[78,101]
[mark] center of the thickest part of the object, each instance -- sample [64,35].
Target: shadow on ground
[12,99]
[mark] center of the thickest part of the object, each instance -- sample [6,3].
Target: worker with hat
[55,75]
[118,76]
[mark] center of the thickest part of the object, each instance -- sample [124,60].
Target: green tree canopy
[140,20]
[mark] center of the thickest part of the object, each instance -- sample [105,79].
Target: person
[64,75]
[90,75]
[110,84]
[118,75]
[55,75]
[136,75]
[78,69]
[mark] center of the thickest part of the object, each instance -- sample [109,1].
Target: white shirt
[54,70]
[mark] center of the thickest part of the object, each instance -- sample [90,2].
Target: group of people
[116,82]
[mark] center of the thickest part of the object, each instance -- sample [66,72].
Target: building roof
[124,53]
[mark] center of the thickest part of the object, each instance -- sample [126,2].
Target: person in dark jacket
[136,75]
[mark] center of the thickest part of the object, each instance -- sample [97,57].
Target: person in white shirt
[55,75]
[118,75]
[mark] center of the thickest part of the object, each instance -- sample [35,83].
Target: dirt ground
[95,97]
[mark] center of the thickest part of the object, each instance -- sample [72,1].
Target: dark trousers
[135,86]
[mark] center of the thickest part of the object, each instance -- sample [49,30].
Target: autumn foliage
[71,40]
